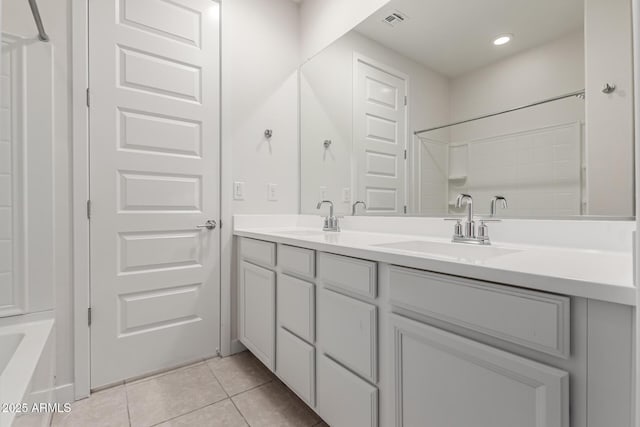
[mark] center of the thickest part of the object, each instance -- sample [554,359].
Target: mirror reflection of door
[379,119]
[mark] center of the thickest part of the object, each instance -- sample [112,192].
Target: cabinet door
[296,306]
[444,380]
[257,312]
[296,365]
[345,400]
[347,331]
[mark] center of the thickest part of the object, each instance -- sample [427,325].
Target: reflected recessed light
[502,39]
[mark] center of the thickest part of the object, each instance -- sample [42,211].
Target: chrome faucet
[469,229]
[330,222]
[353,207]
[494,204]
[467,233]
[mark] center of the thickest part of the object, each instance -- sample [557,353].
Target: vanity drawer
[258,251]
[535,320]
[352,275]
[296,306]
[296,365]
[347,331]
[344,400]
[298,261]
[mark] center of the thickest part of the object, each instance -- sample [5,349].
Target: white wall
[260,91]
[326,112]
[56,242]
[608,34]
[260,59]
[324,21]
[543,72]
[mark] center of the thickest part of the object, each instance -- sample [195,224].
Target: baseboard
[237,346]
[65,393]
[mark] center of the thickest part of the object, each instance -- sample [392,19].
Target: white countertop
[588,273]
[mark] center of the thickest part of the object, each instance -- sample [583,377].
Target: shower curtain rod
[579,93]
[42,35]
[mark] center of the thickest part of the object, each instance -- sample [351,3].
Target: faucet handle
[483,231]
[457,229]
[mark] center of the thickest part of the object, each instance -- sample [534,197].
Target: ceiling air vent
[395,18]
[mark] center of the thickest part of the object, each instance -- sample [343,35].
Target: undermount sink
[457,251]
[303,233]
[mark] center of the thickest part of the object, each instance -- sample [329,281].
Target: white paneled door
[380,123]
[154,156]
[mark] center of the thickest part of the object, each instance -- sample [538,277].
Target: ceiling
[453,37]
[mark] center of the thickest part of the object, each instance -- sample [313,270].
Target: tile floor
[233,391]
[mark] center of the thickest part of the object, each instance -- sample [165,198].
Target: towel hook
[608,88]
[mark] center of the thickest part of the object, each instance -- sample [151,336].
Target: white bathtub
[26,369]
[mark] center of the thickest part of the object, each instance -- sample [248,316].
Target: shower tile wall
[538,171]
[8,194]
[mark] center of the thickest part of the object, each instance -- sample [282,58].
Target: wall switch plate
[238,190]
[323,193]
[272,192]
[346,194]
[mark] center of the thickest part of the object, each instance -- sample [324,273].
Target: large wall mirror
[426,99]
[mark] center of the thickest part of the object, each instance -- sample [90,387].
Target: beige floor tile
[169,396]
[239,372]
[221,414]
[107,408]
[273,405]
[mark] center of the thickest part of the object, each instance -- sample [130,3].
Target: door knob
[209,225]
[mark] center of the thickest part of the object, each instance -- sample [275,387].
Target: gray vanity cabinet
[456,382]
[367,343]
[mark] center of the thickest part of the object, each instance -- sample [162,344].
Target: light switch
[272,192]
[238,190]
[346,194]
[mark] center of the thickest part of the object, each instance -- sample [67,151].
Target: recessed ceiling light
[502,39]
